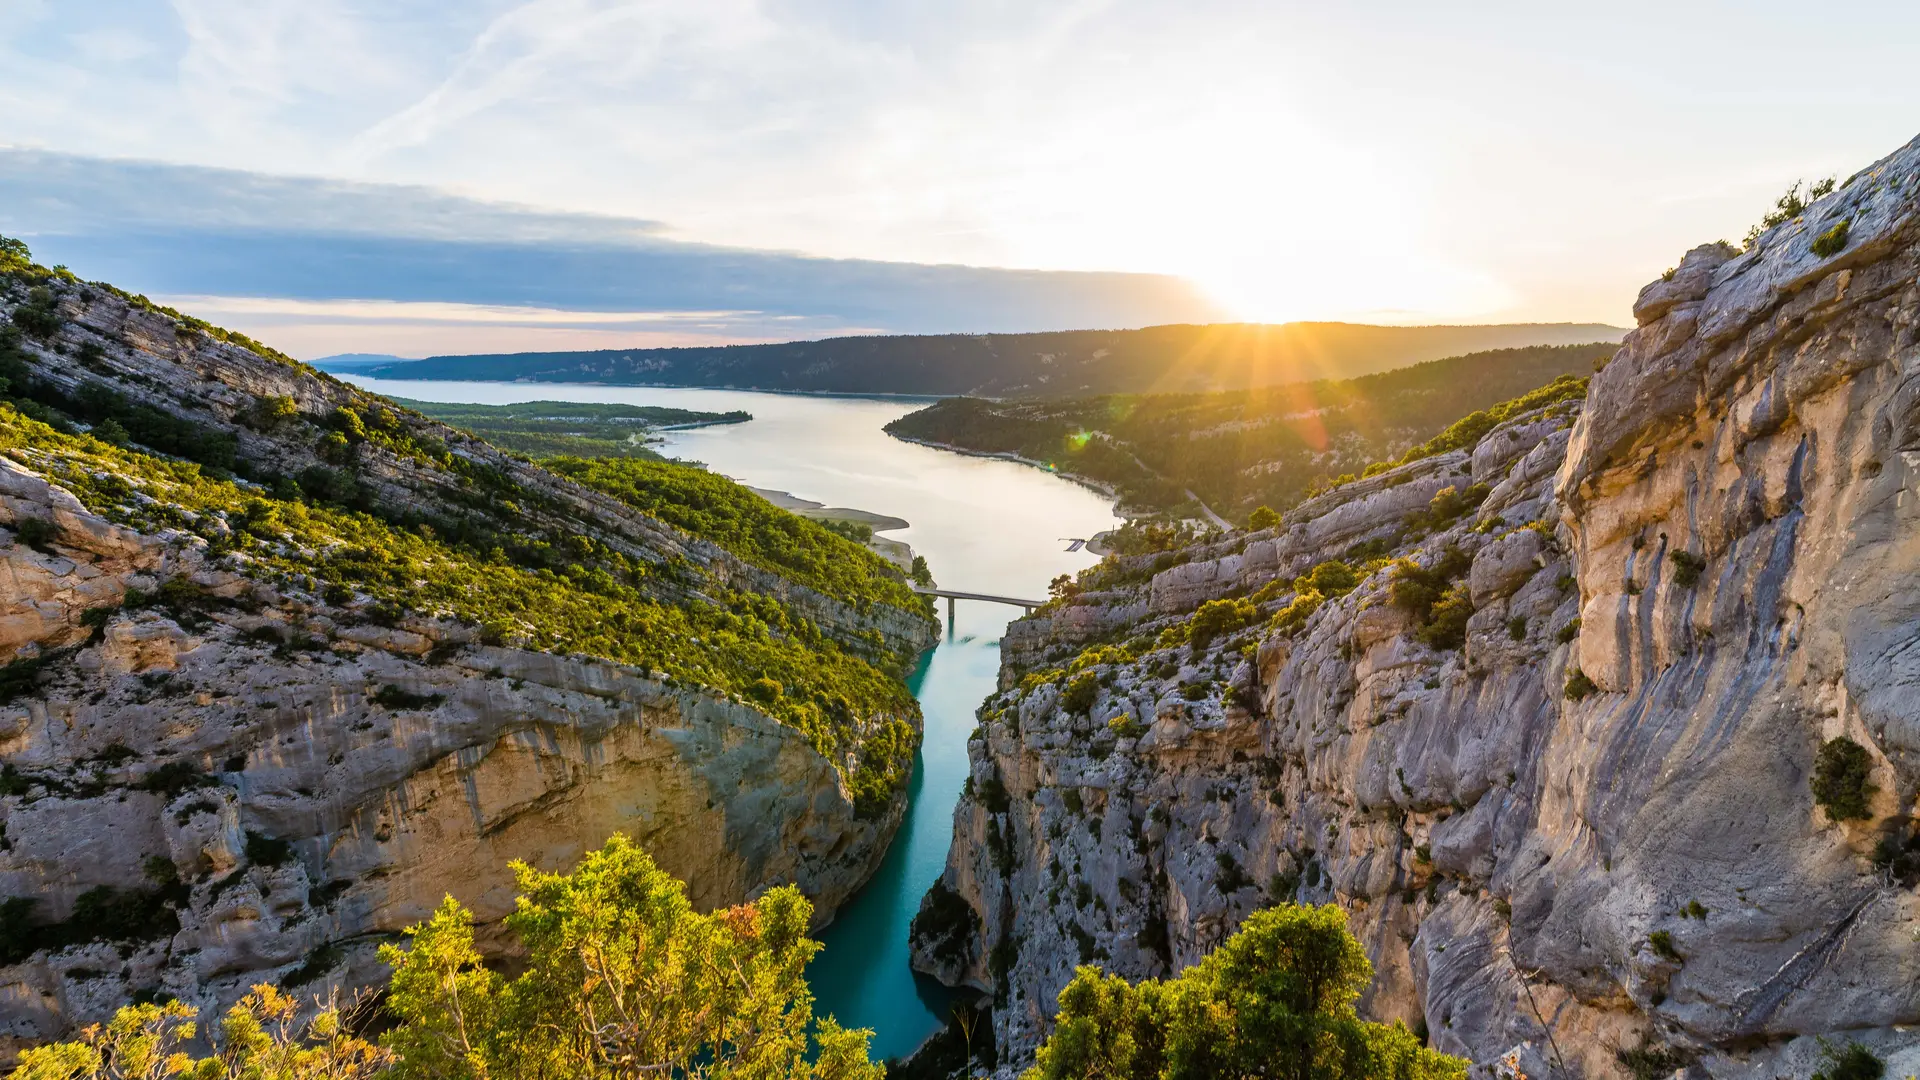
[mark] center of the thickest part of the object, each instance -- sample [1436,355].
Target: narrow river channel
[984,525]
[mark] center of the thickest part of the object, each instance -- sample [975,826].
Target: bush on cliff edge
[1276,1000]
[622,978]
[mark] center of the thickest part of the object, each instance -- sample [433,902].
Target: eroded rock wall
[315,783]
[272,782]
[149,357]
[1589,827]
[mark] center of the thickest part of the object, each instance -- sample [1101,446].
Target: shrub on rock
[1277,999]
[1839,780]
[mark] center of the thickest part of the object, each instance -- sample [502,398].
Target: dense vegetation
[544,429]
[1157,359]
[620,977]
[1238,451]
[490,510]
[747,644]
[261,1038]
[462,536]
[1275,1000]
[712,506]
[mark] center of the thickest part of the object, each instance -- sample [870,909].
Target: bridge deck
[954,594]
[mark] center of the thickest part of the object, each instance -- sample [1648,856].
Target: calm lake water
[984,525]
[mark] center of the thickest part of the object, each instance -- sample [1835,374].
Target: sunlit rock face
[1589,827]
[310,780]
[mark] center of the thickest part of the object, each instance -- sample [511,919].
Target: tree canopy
[261,1038]
[1276,1000]
[623,980]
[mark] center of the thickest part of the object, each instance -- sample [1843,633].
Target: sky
[400,176]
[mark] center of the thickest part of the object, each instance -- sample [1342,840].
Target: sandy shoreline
[807,508]
[897,552]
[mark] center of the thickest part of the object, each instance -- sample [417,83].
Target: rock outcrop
[217,772]
[1582,823]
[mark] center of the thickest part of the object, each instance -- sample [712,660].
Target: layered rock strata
[270,782]
[1589,827]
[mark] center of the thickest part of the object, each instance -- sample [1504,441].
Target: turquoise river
[984,525]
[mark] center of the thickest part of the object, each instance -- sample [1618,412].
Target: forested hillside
[1157,359]
[267,635]
[1239,450]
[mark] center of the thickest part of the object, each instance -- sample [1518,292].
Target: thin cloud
[1526,161]
[417,313]
[47,192]
[318,328]
[329,265]
[518,50]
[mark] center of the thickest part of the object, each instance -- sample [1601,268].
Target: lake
[984,525]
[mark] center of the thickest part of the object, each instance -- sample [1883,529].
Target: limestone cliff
[1583,822]
[219,769]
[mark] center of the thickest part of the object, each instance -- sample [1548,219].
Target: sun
[1333,270]
[1268,293]
[1225,186]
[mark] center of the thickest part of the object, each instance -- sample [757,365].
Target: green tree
[1081,692]
[1331,578]
[261,1038]
[1446,626]
[271,412]
[1220,617]
[1840,780]
[715,508]
[111,431]
[1276,1000]
[1263,517]
[1850,1062]
[451,1003]
[624,979]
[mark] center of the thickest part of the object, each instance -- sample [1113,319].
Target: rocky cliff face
[146,356]
[1587,826]
[217,773]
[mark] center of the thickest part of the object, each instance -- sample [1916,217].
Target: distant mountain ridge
[1174,358]
[1271,446]
[354,360]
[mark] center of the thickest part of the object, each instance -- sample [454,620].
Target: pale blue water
[984,525]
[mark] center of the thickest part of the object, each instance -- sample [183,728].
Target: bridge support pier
[951,601]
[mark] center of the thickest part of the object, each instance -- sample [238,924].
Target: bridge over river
[954,594]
